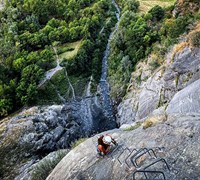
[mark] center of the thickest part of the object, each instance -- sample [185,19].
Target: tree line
[136,39]
[28,30]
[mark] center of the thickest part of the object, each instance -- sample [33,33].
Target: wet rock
[50,146]
[63,141]
[28,138]
[54,127]
[41,127]
[62,121]
[38,145]
[51,121]
[47,137]
[57,133]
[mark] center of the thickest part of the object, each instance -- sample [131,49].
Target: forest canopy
[29,29]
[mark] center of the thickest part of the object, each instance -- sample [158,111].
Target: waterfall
[88,93]
[57,58]
[73,92]
[107,51]
[104,86]
[87,115]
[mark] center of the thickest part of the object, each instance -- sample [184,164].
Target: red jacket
[104,147]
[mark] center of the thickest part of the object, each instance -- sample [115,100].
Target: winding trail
[104,86]
[49,74]
[2,4]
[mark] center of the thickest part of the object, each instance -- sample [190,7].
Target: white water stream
[73,92]
[88,93]
[104,86]
[49,74]
[107,51]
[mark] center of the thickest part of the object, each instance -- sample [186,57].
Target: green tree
[157,13]
[28,83]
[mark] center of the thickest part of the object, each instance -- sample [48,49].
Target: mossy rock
[12,153]
[152,121]
[59,83]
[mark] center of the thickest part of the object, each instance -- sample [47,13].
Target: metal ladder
[132,159]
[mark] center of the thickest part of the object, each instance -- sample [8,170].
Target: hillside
[146,5]
[141,38]
[31,31]
[160,105]
[71,71]
[159,114]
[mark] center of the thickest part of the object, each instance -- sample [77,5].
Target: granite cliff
[158,120]
[160,113]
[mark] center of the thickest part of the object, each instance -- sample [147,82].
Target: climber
[105,144]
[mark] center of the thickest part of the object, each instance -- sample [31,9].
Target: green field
[146,5]
[71,49]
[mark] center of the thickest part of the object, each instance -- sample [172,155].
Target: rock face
[40,130]
[55,127]
[179,137]
[170,97]
[186,101]
[186,6]
[157,90]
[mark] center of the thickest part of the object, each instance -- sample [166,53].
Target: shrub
[44,168]
[175,27]
[195,39]
[138,79]
[154,65]
[77,142]
[157,13]
[131,128]
[149,122]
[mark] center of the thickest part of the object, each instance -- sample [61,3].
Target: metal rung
[161,159]
[148,171]
[124,149]
[138,152]
[147,151]
[118,148]
[129,156]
